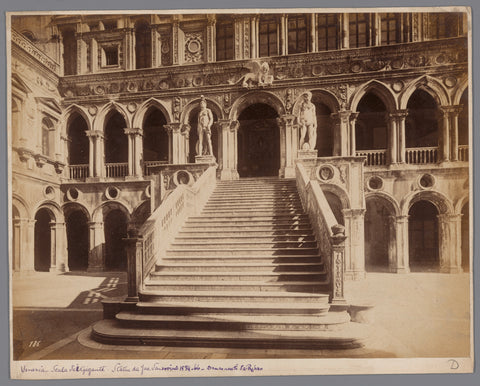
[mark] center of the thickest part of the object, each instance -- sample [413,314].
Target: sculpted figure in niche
[307,120]
[204,129]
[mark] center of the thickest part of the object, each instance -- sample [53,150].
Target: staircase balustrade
[330,235]
[153,238]
[148,165]
[117,169]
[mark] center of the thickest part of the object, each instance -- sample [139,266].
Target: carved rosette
[194,47]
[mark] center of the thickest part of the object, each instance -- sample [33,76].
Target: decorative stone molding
[40,160]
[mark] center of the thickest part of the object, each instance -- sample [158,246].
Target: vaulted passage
[423,236]
[43,240]
[377,236]
[115,231]
[258,142]
[77,240]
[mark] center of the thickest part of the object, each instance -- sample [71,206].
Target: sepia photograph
[243,192]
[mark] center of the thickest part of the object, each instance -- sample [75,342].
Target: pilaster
[228,149]
[58,247]
[354,247]
[288,145]
[96,258]
[211,38]
[400,258]
[178,134]
[450,253]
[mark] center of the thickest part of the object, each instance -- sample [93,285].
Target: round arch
[70,207]
[460,203]
[337,191]
[99,122]
[388,201]
[459,90]
[21,205]
[377,88]
[430,86]
[318,96]
[254,97]
[192,105]
[140,114]
[439,200]
[53,207]
[103,209]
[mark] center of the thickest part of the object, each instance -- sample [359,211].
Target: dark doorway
[78,141]
[155,136]
[193,136]
[421,125]
[77,241]
[377,236]
[115,231]
[423,236]
[43,241]
[324,130]
[465,240]
[371,127]
[116,141]
[258,142]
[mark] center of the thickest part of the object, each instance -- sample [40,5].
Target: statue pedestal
[302,154]
[205,159]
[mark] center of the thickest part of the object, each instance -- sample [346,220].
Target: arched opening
[377,235]
[463,128]
[69,52]
[143,45]
[324,129]
[465,238]
[193,136]
[258,141]
[78,141]
[336,206]
[77,240]
[116,141]
[371,128]
[421,126]
[423,236]
[115,225]
[42,242]
[155,136]
[15,238]
[141,214]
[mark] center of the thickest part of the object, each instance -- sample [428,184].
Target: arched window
[328,28]
[371,127]
[69,52]
[155,136]
[224,40]
[143,45]
[360,30]
[47,137]
[421,126]
[78,145]
[268,36]
[298,34]
[116,141]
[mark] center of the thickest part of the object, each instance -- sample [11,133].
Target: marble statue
[259,75]
[204,129]
[307,120]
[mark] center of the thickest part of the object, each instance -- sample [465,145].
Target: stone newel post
[134,247]
[338,264]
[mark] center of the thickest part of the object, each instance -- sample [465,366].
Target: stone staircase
[245,273]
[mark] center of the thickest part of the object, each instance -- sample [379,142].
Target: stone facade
[104,112]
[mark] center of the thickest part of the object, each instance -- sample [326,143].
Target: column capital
[133,131]
[358,212]
[95,224]
[228,124]
[211,20]
[286,120]
[398,114]
[173,127]
[95,134]
[447,217]
[446,111]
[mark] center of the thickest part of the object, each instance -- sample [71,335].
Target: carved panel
[194,47]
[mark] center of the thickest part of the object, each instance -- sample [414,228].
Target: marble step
[237,285]
[241,244]
[243,267]
[256,233]
[249,228]
[205,238]
[110,331]
[205,224]
[219,276]
[225,252]
[233,322]
[239,259]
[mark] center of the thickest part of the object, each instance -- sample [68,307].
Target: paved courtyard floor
[415,315]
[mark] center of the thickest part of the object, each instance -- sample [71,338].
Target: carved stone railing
[463,153]
[78,172]
[148,245]
[330,235]
[421,155]
[29,47]
[150,166]
[116,170]
[374,157]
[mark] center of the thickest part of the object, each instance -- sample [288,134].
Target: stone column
[96,259]
[254,28]
[93,55]
[340,133]
[313,33]
[178,134]
[444,124]
[129,49]
[288,145]
[134,246]
[397,144]
[354,249]
[135,151]
[450,253]
[211,38]
[29,247]
[345,32]
[82,56]
[283,35]
[400,262]
[58,247]
[353,146]
[96,165]
[91,152]
[20,249]
[156,47]
[454,113]
[227,151]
